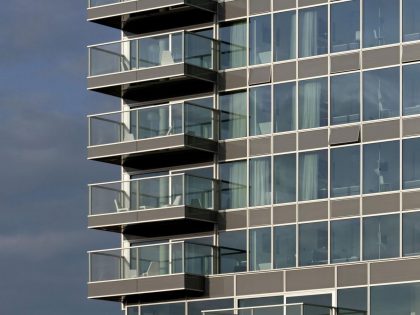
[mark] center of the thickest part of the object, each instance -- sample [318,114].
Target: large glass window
[313,175]
[313,103]
[232,251]
[260,110]
[345,98]
[313,243]
[381,22]
[233,117]
[411,22]
[163,309]
[411,163]
[284,246]
[233,184]
[353,298]
[313,31]
[411,234]
[284,36]
[345,171]
[411,89]
[253,303]
[395,299]
[285,107]
[345,26]
[381,167]
[381,236]
[345,240]
[196,308]
[285,178]
[260,181]
[260,39]
[381,93]
[260,249]
[232,45]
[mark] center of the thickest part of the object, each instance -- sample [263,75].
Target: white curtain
[309,176]
[309,33]
[237,56]
[292,39]
[310,104]
[260,182]
[238,187]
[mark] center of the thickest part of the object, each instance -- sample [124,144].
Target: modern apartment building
[269,154]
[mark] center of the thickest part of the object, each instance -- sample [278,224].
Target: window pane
[163,309]
[260,249]
[381,93]
[233,118]
[313,31]
[411,234]
[233,45]
[411,163]
[232,251]
[285,178]
[381,236]
[284,36]
[233,184]
[345,26]
[260,110]
[313,103]
[313,243]
[345,171]
[262,301]
[195,308]
[411,89]
[285,246]
[133,310]
[381,167]
[313,175]
[260,39]
[260,181]
[395,299]
[354,298]
[411,22]
[345,99]
[345,240]
[381,22]
[285,107]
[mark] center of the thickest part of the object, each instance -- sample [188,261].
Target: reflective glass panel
[313,103]
[345,26]
[313,175]
[233,117]
[411,21]
[284,35]
[354,298]
[233,184]
[260,39]
[285,178]
[313,243]
[260,249]
[395,299]
[285,107]
[411,234]
[260,181]
[411,163]
[345,98]
[232,251]
[163,309]
[345,240]
[260,110]
[284,246]
[411,89]
[313,31]
[345,171]
[232,45]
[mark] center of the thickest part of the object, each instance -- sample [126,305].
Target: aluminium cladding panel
[381,57]
[382,203]
[232,9]
[313,211]
[411,126]
[116,9]
[230,150]
[345,207]
[411,52]
[381,130]
[259,217]
[313,139]
[310,279]
[313,67]
[262,282]
[411,200]
[260,6]
[345,62]
[395,271]
[283,4]
[344,135]
[352,275]
[230,220]
[284,214]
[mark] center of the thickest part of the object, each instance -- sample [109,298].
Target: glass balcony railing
[152,193]
[98,3]
[151,122]
[154,51]
[152,260]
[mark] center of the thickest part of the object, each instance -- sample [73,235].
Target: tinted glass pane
[411,89]
[285,178]
[395,299]
[313,31]
[411,21]
[233,118]
[260,181]
[233,184]
[163,309]
[411,163]
[345,171]
[381,167]
[354,298]
[345,26]
[381,93]
[232,251]
[313,103]
[380,22]
[313,175]
[411,234]
[285,107]
[233,45]
[345,98]
[260,39]
[313,244]
[381,236]
[345,240]
[195,308]
[260,249]
[285,246]
[134,310]
[284,36]
[263,301]
[260,110]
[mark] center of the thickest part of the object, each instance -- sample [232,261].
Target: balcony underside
[162,82]
[156,222]
[148,289]
[156,152]
[146,16]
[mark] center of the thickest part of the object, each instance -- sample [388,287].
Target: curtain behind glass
[233,115]
[313,31]
[284,36]
[313,175]
[233,176]
[312,103]
[260,181]
[260,39]
[233,45]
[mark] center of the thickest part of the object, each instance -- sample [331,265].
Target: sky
[44,172]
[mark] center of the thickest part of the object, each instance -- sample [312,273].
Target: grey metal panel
[345,135]
[284,143]
[260,75]
[160,143]
[161,214]
[411,127]
[233,9]
[313,211]
[345,207]
[345,62]
[233,149]
[112,219]
[381,203]
[110,10]
[381,57]
[257,283]
[111,79]
[284,71]
[310,2]
[259,217]
[233,79]
[395,271]
[201,143]
[308,279]
[112,149]
[352,275]
[283,4]
[233,219]
[221,286]
[259,146]
[259,6]
[152,4]
[284,214]
[313,67]
[411,52]
[313,139]
[112,288]
[381,130]
[161,72]
[411,200]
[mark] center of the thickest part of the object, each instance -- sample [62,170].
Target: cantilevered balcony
[142,16]
[153,206]
[154,67]
[155,136]
[150,272]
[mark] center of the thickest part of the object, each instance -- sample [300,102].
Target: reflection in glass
[232,251]
[411,163]
[411,234]
[354,298]
[284,246]
[232,45]
[233,118]
[411,22]
[163,309]
[381,93]
[313,243]
[381,236]
[260,181]
[284,35]
[313,103]
[313,175]
[260,110]
[260,39]
[345,98]
[195,308]
[313,31]
[345,171]
[285,107]
[345,26]
[411,89]
[233,184]
[395,299]
[133,310]
[260,249]
[285,178]
[345,240]
[261,301]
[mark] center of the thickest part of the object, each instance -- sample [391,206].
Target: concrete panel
[411,200]
[302,3]
[411,52]
[381,204]
[284,214]
[283,4]
[395,271]
[345,135]
[346,62]
[313,211]
[313,67]
[259,6]
[381,57]
[232,9]
[313,139]
[411,127]
[284,71]
[234,219]
[352,275]
[309,279]
[381,130]
[220,286]
[260,146]
[233,149]
[259,217]
[345,207]
[259,75]
[233,79]
[257,283]
[284,143]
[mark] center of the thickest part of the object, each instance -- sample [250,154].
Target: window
[313,31]
[395,299]
[345,26]
[354,298]
[345,240]
[411,234]
[345,98]
[132,310]
[313,175]
[284,246]
[233,184]
[232,45]
[284,107]
[233,118]
[260,39]
[260,249]
[195,308]
[345,171]
[411,23]
[232,251]
[285,178]
[284,36]
[313,103]
[260,110]
[411,89]
[313,244]
[163,309]
[262,301]
[411,163]
[381,236]
[260,181]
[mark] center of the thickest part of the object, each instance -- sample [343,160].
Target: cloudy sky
[43,169]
